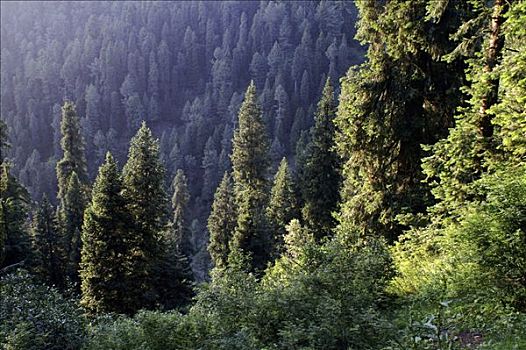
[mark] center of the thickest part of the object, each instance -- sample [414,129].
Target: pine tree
[461,158]
[4,146]
[14,200]
[210,164]
[321,175]
[45,241]
[72,180]
[477,173]
[250,162]
[4,141]
[174,276]
[402,97]
[282,206]
[180,200]
[109,245]
[146,199]
[72,143]
[222,222]
[70,216]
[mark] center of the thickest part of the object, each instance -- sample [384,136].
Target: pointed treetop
[181,196]
[108,167]
[143,140]
[109,158]
[328,90]
[251,90]
[250,144]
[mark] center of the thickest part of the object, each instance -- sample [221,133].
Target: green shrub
[34,316]
[148,330]
[315,297]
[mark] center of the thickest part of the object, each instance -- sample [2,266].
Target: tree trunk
[496,43]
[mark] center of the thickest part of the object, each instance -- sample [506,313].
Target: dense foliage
[34,316]
[393,216]
[181,66]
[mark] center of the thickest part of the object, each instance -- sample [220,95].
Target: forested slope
[378,205]
[182,67]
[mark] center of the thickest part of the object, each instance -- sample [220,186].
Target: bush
[151,330]
[35,316]
[315,297]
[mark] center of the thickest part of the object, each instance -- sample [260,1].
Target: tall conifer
[146,200]
[174,273]
[180,199]
[70,215]
[321,175]
[45,241]
[109,247]
[402,97]
[222,222]
[72,180]
[250,163]
[282,206]
[72,143]
[14,200]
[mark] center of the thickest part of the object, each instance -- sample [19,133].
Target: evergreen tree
[72,180]
[174,276]
[70,216]
[72,143]
[4,146]
[180,200]
[477,174]
[173,271]
[461,158]
[109,245]
[250,162]
[14,200]
[321,175]
[4,141]
[282,206]
[222,222]
[210,164]
[146,200]
[403,97]
[45,241]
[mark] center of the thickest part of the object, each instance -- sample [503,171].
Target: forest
[263,175]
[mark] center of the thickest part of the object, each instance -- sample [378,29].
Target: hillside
[263,175]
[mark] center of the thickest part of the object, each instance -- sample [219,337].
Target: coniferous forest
[263,175]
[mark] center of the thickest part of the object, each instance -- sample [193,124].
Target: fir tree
[461,158]
[250,162]
[180,200]
[403,97]
[109,246]
[174,276]
[14,200]
[72,180]
[282,206]
[45,241]
[4,146]
[70,216]
[222,222]
[321,175]
[210,164]
[4,141]
[146,200]
[72,143]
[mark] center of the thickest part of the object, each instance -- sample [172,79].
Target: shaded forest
[182,67]
[263,175]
